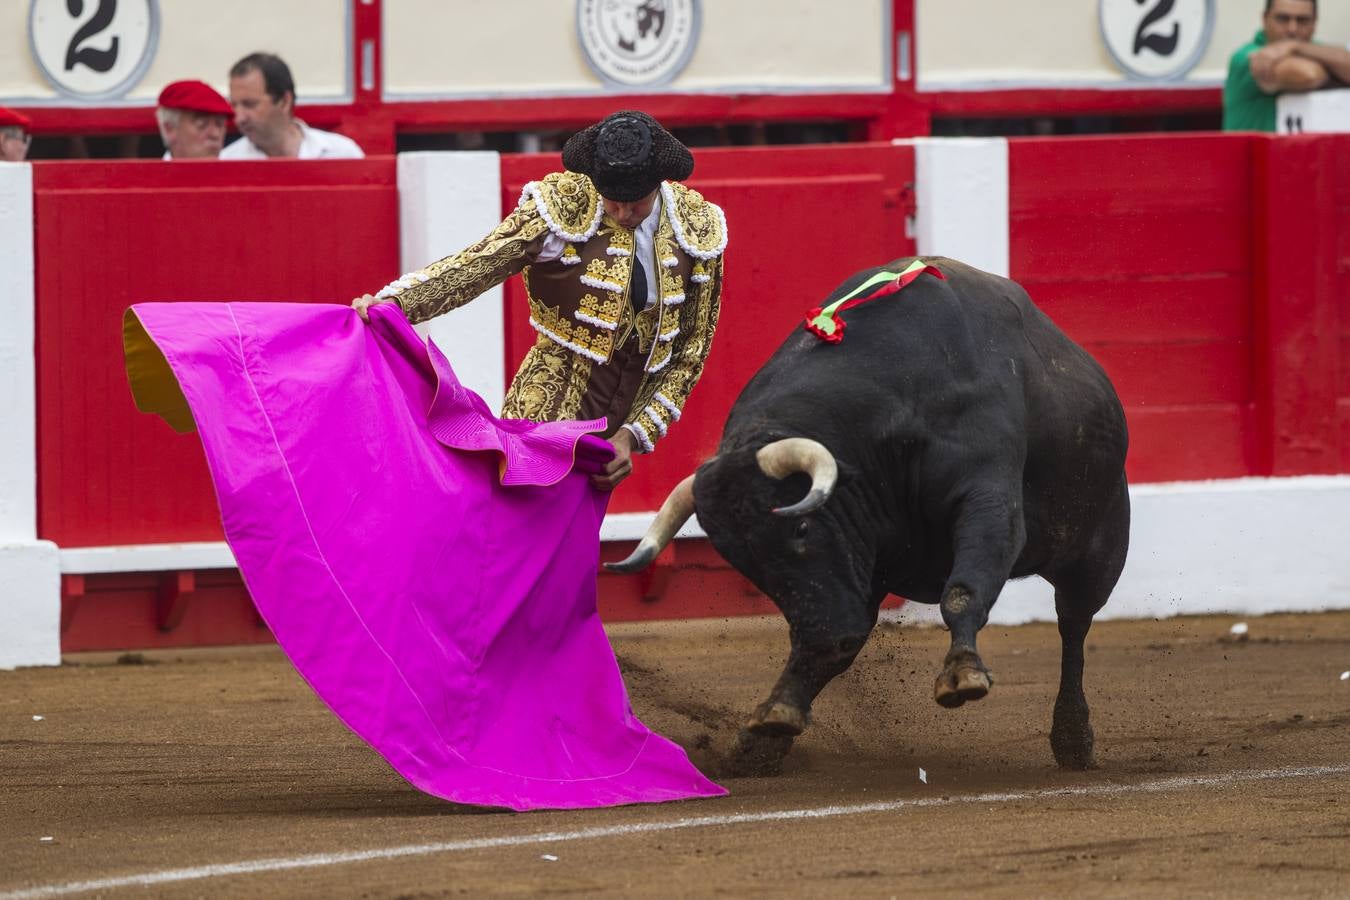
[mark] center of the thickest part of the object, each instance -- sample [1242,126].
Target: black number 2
[1163,45]
[98,60]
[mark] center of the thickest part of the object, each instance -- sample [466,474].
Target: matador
[623,269]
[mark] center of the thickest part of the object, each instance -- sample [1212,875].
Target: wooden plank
[1213,307]
[1175,374]
[1113,174]
[1081,243]
[1189,443]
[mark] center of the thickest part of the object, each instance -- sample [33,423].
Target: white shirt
[643,238]
[314,144]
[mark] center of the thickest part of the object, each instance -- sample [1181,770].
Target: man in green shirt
[1281,58]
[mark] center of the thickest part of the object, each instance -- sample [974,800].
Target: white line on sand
[256,866]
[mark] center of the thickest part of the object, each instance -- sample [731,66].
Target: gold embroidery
[646,324]
[671,283]
[702,228]
[597,268]
[571,204]
[620,239]
[572,334]
[549,385]
[605,310]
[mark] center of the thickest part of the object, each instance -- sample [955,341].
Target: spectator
[262,93]
[192,119]
[1281,58]
[14,135]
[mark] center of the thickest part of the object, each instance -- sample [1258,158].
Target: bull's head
[777,460]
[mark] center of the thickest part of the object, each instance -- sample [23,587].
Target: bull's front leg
[819,653]
[989,535]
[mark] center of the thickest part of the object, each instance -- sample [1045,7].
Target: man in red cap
[14,136]
[192,118]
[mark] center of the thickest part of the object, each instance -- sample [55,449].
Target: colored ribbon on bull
[427,567]
[825,323]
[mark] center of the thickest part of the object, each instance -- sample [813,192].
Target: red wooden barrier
[110,235]
[1141,249]
[1210,275]
[1303,200]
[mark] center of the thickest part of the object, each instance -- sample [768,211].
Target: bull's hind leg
[1080,591]
[989,535]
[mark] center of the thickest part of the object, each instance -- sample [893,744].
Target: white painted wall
[447,201]
[961,194]
[530,48]
[30,589]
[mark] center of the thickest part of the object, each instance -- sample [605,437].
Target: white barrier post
[30,572]
[447,201]
[961,191]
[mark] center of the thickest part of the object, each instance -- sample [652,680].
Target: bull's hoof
[962,679]
[758,754]
[778,718]
[1072,742]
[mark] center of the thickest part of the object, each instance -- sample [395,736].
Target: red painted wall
[1141,250]
[110,235]
[1209,275]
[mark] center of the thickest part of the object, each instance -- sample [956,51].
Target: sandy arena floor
[1224,771]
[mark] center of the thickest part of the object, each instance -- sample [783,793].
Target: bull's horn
[782,458]
[677,509]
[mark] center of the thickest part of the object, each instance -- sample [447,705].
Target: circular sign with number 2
[1157,40]
[93,49]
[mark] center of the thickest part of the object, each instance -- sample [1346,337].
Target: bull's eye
[799,533]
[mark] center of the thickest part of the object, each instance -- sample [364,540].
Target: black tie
[639,286]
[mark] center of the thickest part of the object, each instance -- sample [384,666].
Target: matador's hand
[621,466]
[363,303]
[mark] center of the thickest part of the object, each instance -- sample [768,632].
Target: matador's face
[630,215]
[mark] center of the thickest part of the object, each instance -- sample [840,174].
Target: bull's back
[970,339]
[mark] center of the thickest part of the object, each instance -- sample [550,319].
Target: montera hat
[12,117]
[627,156]
[197,96]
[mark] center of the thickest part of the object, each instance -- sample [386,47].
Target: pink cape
[428,568]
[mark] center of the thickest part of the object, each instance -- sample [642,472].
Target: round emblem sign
[637,43]
[1156,40]
[93,49]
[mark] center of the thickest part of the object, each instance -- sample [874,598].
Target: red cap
[9,117]
[197,96]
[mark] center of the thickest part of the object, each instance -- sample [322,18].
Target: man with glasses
[14,136]
[192,118]
[1280,59]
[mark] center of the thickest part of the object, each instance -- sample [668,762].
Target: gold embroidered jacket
[580,307]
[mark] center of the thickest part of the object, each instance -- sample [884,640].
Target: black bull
[954,439]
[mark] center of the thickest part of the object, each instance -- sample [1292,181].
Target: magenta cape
[428,568]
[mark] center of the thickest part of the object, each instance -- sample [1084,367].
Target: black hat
[627,155]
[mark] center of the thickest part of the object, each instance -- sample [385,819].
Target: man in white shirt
[262,93]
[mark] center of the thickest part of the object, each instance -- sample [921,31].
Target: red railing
[1210,275]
